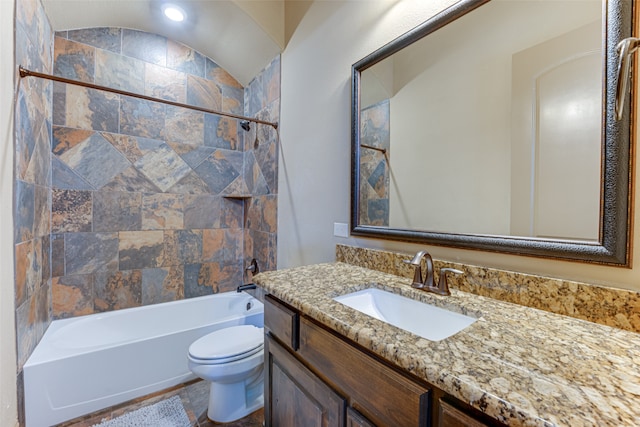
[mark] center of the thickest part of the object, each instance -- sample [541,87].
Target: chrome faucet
[429,284]
[253,269]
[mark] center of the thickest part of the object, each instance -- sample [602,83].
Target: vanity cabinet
[296,396]
[316,377]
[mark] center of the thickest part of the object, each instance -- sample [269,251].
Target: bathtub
[88,363]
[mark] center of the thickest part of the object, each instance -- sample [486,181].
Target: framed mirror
[491,126]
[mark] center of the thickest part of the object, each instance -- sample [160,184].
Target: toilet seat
[227,345]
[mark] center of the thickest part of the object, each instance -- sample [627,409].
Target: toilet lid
[227,342]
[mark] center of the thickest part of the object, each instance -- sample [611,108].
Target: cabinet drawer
[382,395]
[283,322]
[450,416]
[355,419]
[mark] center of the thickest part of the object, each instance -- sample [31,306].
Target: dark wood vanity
[316,377]
[328,364]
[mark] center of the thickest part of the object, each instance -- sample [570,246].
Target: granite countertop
[520,365]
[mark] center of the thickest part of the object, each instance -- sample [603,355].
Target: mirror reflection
[491,125]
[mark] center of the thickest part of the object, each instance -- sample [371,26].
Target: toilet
[231,359]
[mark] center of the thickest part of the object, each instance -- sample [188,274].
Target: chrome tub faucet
[253,269]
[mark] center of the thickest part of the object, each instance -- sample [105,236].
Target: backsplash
[608,306]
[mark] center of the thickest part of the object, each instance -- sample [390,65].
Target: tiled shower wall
[32,183]
[374,165]
[149,201]
[262,100]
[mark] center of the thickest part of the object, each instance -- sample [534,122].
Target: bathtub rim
[41,355]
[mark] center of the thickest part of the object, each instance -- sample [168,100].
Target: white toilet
[232,360]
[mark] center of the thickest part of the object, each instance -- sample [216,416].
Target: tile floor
[194,396]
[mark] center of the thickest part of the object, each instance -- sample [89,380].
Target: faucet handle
[417,274]
[443,286]
[253,267]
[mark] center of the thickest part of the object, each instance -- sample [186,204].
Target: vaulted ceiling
[242,36]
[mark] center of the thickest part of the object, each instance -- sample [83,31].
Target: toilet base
[230,402]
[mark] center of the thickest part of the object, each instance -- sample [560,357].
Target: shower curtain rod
[27,73]
[371,147]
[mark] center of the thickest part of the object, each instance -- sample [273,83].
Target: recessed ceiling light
[173,12]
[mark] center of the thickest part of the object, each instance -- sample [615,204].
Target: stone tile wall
[149,200]
[32,183]
[374,165]
[262,100]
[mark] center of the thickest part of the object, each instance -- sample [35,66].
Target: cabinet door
[295,397]
[356,419]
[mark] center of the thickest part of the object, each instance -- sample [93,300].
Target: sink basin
[425,320]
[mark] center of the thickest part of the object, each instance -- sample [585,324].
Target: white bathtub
[88,363]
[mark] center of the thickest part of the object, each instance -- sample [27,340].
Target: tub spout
[246,287]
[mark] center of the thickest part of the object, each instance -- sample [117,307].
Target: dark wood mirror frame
[614,246]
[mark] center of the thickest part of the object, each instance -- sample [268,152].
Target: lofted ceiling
[242,36]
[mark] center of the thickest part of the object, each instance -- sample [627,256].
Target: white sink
[425,320]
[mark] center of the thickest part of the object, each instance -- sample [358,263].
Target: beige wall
[8,402]
[428,145]
[315,114]
[314,181]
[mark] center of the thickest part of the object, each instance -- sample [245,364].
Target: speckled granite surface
[609,306]
[522,366]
